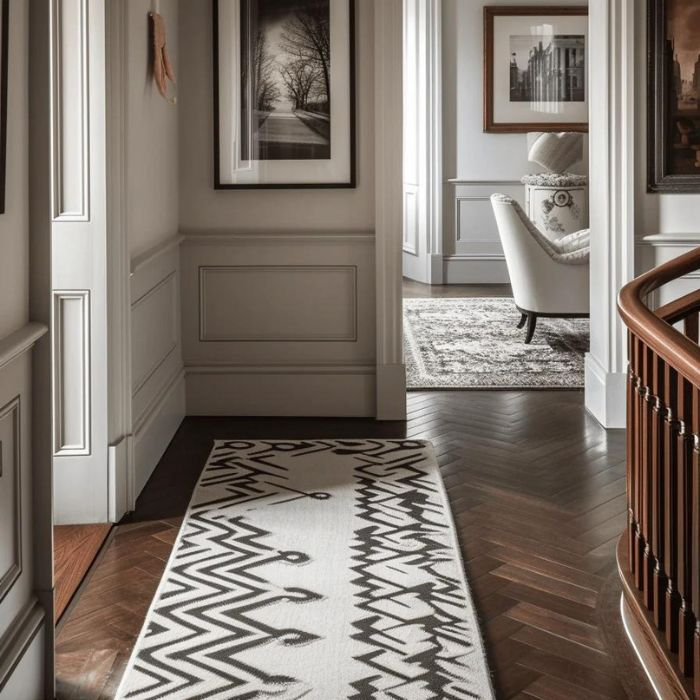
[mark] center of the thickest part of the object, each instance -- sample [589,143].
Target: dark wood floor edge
[86,577]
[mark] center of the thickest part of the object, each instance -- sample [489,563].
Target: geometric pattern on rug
[474,343]
[313,569]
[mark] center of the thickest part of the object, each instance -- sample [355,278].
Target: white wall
[152,129]
[241,355]
[469,154]
[25,480]
[14,223]
[152,214]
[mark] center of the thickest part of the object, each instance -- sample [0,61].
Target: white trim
[422,136]
[675,240]
[19,342]
[612,180]
[491,183]
[388,98]
[120,450]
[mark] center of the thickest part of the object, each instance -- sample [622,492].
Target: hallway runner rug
[474,343]
[319,569]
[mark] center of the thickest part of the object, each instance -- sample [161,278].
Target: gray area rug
[473,343]
[317,569]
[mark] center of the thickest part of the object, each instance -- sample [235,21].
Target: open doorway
[521,136]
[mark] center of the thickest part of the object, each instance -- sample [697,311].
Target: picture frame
[673,129]
[522,92]
[291,125]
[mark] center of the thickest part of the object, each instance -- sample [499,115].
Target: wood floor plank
[75,548]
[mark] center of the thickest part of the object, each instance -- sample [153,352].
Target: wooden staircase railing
[659,554]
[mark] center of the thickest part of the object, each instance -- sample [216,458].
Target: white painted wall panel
[281,303]
[291,311]
[71,337]
[158,388]
[10,495]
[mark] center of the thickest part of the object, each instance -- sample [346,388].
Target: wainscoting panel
[279,324]
[286,292]
[21,617]
[71,123]
[158,387]
[473,252]
[71,372]
[10,495]
[410,217]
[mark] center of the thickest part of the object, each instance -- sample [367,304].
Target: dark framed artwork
[284,93]
[4,69]
[673,96]
[535,69]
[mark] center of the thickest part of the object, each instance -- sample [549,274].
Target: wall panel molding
[70,127]
[10,495]
[15,643]
[71,372]
[473,251]
[158,380]
[410,216]
[155,323]
[290,290]
[269,318]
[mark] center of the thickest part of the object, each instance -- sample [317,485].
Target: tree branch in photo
[307,36]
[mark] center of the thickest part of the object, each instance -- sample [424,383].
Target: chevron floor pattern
[537,491]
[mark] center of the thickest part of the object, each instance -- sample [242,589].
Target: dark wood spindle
[673,600]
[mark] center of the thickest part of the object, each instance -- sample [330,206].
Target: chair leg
[522,321]
[531,323]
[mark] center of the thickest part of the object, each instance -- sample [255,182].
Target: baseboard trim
[475,270]
[157,428]
[311,391]
[391,392]
[606,394]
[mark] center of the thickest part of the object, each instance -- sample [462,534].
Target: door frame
[611,142]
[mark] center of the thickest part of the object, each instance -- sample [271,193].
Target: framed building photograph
[674,96]
[284,93]
[535,69]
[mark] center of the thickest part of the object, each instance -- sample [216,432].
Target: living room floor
[537,489]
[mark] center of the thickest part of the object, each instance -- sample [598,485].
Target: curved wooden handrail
[671,345]
[680,308]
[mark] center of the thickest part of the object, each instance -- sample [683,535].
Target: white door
[422,169]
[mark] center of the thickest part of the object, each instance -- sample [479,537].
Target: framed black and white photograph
[284,93]
[535,69]
[674,96]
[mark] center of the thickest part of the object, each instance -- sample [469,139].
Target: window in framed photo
[284,93]
[535,69]
[674,96]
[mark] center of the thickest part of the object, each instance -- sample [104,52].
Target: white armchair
[549,278]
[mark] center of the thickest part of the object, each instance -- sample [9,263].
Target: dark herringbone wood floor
[537,490]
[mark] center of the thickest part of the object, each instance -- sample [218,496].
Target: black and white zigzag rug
[318,569]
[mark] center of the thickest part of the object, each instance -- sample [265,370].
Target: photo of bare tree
[285,82]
